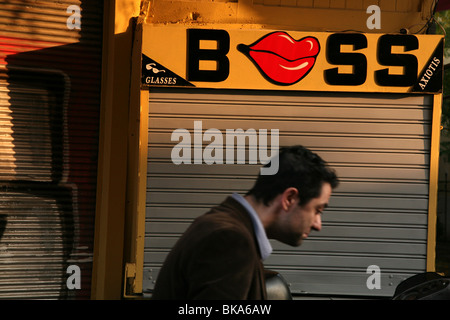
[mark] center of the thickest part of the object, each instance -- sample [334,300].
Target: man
[220,256]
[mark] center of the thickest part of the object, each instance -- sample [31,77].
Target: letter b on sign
[374,280]
[218,55]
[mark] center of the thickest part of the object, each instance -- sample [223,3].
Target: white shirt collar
[264,245]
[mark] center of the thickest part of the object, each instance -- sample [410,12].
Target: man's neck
[265,213]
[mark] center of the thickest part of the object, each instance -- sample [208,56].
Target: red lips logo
[280,58]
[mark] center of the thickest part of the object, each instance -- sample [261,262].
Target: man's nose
[317,225]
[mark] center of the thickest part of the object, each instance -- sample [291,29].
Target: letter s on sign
[357,60]
[387,58]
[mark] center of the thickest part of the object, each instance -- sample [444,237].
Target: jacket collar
[241,205]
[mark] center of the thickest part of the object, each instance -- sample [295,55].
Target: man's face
[296,222]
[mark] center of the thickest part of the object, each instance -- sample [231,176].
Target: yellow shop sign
[291,60]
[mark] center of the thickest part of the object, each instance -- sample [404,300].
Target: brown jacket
[216,258]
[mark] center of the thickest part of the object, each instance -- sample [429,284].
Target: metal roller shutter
[49,109]
[379,145]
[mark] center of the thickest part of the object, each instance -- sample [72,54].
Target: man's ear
[288,197]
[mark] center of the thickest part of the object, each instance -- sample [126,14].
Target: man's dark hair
[299,168]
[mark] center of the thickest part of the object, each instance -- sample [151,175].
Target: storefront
[368,103]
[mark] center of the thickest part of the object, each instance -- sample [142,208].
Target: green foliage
[443,18]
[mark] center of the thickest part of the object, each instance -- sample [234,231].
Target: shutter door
[379,145]
[49,109]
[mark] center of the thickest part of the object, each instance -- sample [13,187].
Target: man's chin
[295,243]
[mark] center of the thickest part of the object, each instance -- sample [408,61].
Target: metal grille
[379,145]
[49,113]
